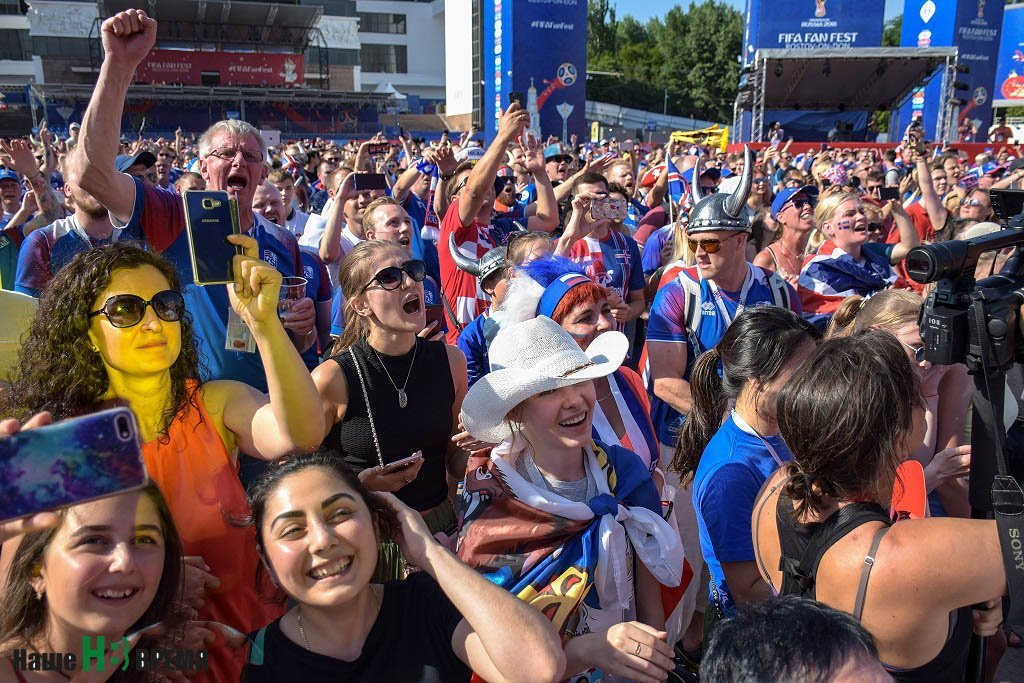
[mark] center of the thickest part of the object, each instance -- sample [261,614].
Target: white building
[402,42]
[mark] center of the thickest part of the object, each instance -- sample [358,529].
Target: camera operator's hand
[950,463]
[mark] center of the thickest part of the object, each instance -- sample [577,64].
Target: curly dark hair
[57,370]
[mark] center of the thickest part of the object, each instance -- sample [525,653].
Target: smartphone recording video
[210,217]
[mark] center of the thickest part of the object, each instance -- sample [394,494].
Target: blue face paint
[844,225]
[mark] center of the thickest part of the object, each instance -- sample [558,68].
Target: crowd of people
[541,410]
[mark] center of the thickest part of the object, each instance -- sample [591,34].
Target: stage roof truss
[854,79]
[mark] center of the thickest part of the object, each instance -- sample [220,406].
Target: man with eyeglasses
[231,159]
[690,314]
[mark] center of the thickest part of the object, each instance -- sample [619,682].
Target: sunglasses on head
[918,351]
[709,246]
[128,310]
[390,278]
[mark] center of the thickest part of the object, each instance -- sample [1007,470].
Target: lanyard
[742,424]
[720,305]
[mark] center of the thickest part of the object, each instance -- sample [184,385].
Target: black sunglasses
[390,278]
[128,310]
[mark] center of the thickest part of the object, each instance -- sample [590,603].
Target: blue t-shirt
[337,313]
[667,323]
[50,248]
[733,468]
[651,259]
[474,343]
[527,195]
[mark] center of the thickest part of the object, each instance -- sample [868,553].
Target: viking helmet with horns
[721,211]
[483,267]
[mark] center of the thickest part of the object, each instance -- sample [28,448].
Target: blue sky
[645,9]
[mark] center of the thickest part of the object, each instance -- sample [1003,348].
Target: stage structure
[851,79]
[265,63]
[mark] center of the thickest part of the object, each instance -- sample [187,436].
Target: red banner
[185,67]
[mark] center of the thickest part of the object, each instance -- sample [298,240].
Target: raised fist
[128,37]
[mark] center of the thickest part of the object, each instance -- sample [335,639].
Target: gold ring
[638,646]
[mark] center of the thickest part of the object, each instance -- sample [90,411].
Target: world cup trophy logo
[981,9]
[819,8]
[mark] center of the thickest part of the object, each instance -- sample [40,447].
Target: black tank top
[802,547]
[424,424]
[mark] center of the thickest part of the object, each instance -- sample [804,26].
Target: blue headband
[556,291]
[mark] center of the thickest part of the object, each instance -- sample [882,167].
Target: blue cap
[554,151]
[992,168]
[783,197]
[554,292]
[712,172]
[8,174]
[125,161]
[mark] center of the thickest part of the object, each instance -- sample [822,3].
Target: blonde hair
[888,310]
[524,244]
[357,268]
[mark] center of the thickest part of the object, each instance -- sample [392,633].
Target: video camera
[977,323]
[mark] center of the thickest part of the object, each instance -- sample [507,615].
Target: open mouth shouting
[333,569]
[236,182]
[412,304]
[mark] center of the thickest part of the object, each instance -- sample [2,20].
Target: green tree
[892,31]
[601,30]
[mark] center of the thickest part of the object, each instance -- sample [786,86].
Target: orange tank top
[197,477]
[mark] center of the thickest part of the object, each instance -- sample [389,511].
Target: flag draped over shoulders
[831,275]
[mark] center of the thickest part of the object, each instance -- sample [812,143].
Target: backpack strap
[691,309]
[780,292]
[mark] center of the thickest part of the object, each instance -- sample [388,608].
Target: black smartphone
[888,193]
[361,182]
[401,132]
[379,148]
[1007,203]
[70,462]
[517,97]
[210,216]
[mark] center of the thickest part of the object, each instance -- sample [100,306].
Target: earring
[95,349]
[39,594]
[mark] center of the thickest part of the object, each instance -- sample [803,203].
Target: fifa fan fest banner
[812,24]
[186,67]
[1009,91]
[806,25]
[537,49]
[974,27]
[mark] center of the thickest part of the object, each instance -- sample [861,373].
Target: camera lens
[124,431]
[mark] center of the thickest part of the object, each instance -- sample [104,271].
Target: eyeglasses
[390,278]
[874,227]
[919,351]
[759,181]
[229,154]
[151,176]
[332,160]
[128,310]
[967,201]
[709,246]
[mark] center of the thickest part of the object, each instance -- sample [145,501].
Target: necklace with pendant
[403,398]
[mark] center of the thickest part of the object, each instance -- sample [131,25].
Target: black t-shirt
[410,641]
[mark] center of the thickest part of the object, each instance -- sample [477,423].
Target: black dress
[424,424]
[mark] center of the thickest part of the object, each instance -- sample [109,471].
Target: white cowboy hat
[529,358]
